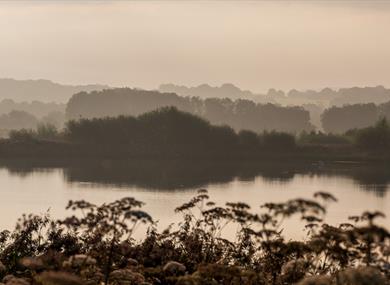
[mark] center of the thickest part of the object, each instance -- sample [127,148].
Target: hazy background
[255,45]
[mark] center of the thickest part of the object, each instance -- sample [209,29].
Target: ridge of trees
[169,132]
[342,119]
[325,97]
[239,114]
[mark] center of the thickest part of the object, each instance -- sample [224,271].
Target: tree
[342,119]
[375,138]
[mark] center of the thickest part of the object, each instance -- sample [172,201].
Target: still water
[31,187]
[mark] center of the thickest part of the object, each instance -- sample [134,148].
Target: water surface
[31,187]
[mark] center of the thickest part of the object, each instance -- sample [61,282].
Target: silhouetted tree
[376,137]
[277,140]
[239,114]
[55,118]
[248,140]
[18,120]
[341,119]
[166,130]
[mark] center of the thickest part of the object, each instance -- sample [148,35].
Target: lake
[38,187]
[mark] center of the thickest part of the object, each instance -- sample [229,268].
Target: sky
[255,45]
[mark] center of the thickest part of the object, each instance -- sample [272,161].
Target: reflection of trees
[175,174]
[153,174]
[374,179]
[170,174]
[26,168]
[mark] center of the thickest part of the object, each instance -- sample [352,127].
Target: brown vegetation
[95,246]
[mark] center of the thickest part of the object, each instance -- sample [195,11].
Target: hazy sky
[255,45]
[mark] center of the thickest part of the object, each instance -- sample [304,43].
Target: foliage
[42,132]
[46,131]
[18,120]
[239,114]
[95,246]
[54,118]
[278,140]
[358,116]
[374,138]
[341,119]
[170,130]
[323,138]
[22,135]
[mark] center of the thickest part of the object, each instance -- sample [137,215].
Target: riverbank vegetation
[293,112]
[170,133]
[96,246]
[238,114]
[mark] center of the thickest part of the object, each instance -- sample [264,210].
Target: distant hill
[41,90]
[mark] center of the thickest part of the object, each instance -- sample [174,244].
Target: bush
[23,135]
[46,131]
[249,140]
[277,140]
[318,138]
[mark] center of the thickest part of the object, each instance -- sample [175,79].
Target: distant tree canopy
[239,114]
[324,97]
[203,91]
[170,130]
[170,133]
[36,108]
[342,119]
[55,118]
[18,120]
[320,138]
[374,138]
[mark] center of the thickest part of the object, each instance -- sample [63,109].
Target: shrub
[22,135]
[277,140]
[318,138]
[46,131]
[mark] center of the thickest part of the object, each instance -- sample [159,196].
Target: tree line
[16,120]
[347,117]
[324,97]
[169,132]
[239,114]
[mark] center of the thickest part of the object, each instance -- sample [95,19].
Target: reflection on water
[31,186]
[177,175]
